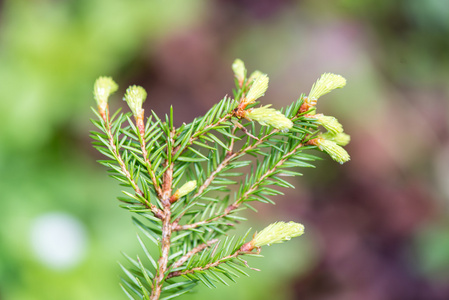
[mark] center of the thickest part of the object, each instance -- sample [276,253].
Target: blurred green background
[377,227]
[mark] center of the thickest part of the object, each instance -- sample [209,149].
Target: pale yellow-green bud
[185,189]
[254,75]
[135,96]
[341,139]
[269,117]
[327,83]
[239,70]
[277,233]
[330,123]
[257,90]
[103,88]
[335,151]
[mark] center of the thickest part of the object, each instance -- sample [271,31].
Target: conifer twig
[147,161]
[240,200]
[209,127]
[156,211]
[192,252]
[207,266]
[230,157]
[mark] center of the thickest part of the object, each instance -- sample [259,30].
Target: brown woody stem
[162,263]
[163,260]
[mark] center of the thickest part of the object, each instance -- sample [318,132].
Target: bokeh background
[377,227]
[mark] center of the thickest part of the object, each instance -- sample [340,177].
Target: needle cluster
[186,186]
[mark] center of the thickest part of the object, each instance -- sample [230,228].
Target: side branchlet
[239,71]
[335,151]
[275,233]
[185,189]
[325,84]
[341,139]
[269,117]
[258,88]
[135,96]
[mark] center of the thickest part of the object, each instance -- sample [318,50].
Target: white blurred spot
[59,240]
[441,167]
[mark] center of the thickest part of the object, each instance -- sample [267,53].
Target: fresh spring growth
[278,232]
[185,189]
[269,117]
[257,90]
[341,139]
[135,96]
[330,123]
[254,75]
[239,70]
[327,83]
[335,151]
[103,88]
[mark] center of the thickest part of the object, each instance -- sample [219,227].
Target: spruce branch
[148,165]
[118,157]
[229,158]
[192,252]
[223,256]
[181,177]
[207,266]
[209,127]
[252,188]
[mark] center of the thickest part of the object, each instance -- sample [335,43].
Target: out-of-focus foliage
[53,50]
